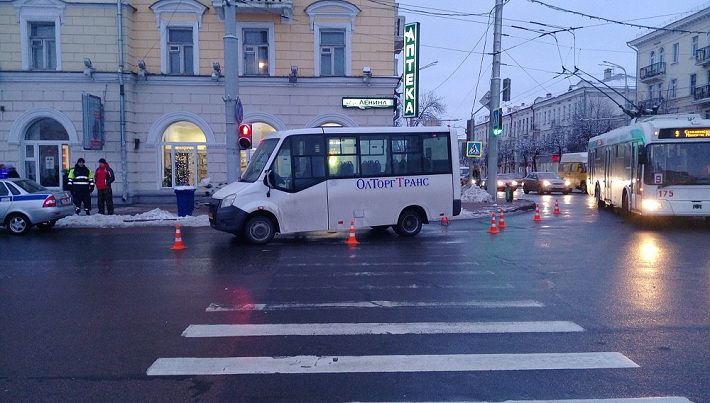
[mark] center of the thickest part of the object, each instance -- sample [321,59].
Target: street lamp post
[626,83]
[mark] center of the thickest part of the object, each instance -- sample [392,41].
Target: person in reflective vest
[81,181]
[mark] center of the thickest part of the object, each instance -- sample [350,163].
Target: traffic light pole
[231,90]
[492,181]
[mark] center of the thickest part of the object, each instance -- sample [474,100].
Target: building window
[694,46]
[43,50]
[256,51]
[46,152]
[650,92]
[673,88]
[660,90]
[652,58]
[693,83]
[184,159]
[180,51]
[676,51]
[661,55]
[332,52]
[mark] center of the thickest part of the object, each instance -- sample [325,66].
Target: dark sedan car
[546,182]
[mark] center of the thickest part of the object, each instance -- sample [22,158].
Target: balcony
[651,103]
[702,56]
[653,73]
[701,94]
[282,8]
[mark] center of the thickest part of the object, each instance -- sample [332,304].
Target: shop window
[184,155]
[46,148]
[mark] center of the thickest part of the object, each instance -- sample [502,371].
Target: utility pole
[231,90]
[492,181]
[122,101]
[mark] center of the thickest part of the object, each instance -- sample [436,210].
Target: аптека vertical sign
[411,70]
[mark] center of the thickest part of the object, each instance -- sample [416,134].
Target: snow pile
[155,217]
[474,194]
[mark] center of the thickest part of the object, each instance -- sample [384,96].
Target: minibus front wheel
[409,223]
[259,230]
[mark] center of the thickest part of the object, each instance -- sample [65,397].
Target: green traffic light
[497,132]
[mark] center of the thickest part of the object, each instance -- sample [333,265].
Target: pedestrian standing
[104,178]
[81,180]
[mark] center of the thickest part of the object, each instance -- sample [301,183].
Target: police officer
[81,181]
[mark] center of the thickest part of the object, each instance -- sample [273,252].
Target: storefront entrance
[46,153]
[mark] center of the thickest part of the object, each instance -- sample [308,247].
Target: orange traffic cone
[494,228]
[537,214]
[501,222]
[178,244]
[444,221]
[557,208]
[351,238]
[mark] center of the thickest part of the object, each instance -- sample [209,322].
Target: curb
[529,205]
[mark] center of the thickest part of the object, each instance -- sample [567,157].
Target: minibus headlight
[546,183]
[228,201]
[567,182]
[650,205]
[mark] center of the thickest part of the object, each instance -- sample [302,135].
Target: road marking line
[387,363]
[663,399]
[376,304]
[346,329]
[398,287]
[365,264]
[386,273]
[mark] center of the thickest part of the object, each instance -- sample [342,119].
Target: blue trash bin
[185,196]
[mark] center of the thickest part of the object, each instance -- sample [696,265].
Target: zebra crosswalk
[385,361]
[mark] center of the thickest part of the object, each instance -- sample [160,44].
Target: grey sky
[541,58]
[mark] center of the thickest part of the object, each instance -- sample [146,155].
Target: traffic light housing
[244,136]
[506,89]
[497,122]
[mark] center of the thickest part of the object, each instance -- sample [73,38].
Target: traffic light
[498,122]
[506,89]
[244,136]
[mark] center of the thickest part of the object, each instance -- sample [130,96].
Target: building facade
[298,60]
[673,66]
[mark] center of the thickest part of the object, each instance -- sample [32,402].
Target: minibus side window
[374,152]
[406,155]
[308,153]
[342,157]
[436,153]
[282,167]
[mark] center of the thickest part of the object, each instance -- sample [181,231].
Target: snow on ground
[475,194]
[155,217]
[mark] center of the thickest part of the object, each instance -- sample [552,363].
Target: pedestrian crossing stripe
[308,364]
[347,329]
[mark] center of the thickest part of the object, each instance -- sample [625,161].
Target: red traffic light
[244,136]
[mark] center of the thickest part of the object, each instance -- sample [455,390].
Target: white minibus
[322,178]
[656,166]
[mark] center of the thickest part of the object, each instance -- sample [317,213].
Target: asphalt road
[583,305]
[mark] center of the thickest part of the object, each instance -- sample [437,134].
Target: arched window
[184,149]
[661,55]
[46,149]
[331,124]
[652,58]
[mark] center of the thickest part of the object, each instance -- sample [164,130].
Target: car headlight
[514,183]
[500,183]
[228,201]
[567,182]
[650,204]
[546,183]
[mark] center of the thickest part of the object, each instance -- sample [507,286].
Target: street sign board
[368,102]
[411,70]
[474,149]
[238,112]
[93,122]
[486,99]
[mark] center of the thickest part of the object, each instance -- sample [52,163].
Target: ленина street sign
[411,70]
[368,103]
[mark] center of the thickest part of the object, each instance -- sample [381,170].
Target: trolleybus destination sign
[684,133]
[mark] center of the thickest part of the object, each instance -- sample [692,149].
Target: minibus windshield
[259,160]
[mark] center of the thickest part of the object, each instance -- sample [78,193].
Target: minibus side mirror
[269,178]
[642,155]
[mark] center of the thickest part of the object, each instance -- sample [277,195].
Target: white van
[322,178]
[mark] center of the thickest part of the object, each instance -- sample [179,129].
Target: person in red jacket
[103,178]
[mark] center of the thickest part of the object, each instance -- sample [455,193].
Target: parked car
[512,180]
[546,182]
[24,203]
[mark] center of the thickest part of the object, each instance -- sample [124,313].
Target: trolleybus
[656,166]
[324,178]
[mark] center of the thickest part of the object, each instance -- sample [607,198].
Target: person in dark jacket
[81,180]
[104,178]
[12,171]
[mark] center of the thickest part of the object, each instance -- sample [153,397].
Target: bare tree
[431,109]
[592,119]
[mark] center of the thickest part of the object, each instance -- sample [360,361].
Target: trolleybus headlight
[650,204]
[228,201]
[546,183]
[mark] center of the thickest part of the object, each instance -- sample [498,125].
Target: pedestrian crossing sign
[473,149]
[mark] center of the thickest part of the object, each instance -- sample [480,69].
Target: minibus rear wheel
[259,230]
[409,223]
